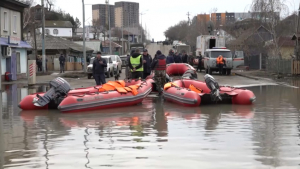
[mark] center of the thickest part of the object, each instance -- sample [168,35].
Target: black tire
[120,71]
[209,71]
[228,72]
[89,76]
[112,74]
[224,72]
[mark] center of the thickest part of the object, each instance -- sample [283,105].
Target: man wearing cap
[147,60]
[99,66]
[136,65]
[159,66]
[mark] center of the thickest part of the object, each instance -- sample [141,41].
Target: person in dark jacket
[159,66]
[170,57]
[99,66]
[184,57]
[199,62]
[147,60]
[136,65]
[177,58]
[62,61]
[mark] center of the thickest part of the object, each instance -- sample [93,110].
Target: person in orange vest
[220,63]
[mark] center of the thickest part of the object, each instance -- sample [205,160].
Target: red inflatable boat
[91,98]
[178,69]
[190,93]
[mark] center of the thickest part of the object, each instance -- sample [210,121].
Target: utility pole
[188,14]
[43,37]
[128,32]
[107,2]
[122,37]
[297,38]
[0,80]
[83,36]
[1,132]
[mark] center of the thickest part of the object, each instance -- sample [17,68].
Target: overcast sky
[160,14]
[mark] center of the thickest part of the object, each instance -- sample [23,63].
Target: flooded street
[156,134]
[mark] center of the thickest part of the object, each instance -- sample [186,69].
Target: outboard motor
[190,74]
[58,87]
[214,87]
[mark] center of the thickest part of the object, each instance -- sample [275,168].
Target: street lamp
[142,24]
[84,49]
[107,3]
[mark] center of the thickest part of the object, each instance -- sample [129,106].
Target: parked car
[109,72]
[117,62]
[124,60]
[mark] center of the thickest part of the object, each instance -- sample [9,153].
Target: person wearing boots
[147,60]
[159,67]
[136,65]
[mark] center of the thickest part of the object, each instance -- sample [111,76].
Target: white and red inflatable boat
[109,95]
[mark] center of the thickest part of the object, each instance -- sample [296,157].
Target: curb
[250,77]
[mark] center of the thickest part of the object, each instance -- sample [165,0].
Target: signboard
[14,40]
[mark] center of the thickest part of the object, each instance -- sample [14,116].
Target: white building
[58,28]
[13,51]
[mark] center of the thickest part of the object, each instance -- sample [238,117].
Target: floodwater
[155,134]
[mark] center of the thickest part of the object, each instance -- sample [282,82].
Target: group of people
[176,57]
[39,63]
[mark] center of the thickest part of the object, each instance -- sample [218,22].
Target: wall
[119,17]
[3,65]
[286,52]
[23,59]
[10,15]
[62,32]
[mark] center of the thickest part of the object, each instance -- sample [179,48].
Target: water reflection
[260,136]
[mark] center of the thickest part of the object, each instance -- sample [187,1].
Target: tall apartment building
[100,11]
[203,18]
[126,14]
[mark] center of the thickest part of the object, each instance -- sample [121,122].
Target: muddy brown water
[155,134]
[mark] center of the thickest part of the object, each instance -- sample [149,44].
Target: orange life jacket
[195,89]
[168,85]
[120,87]
[220,60]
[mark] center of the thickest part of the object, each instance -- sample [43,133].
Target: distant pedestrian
[147,60]
[136,65]
[220,63]
[190,58]
[128,72]
[99,66]
[39,63]
[62,61]
[170,57]
[199,62]
[177,58]
[184,57]
[159,67]
[46,64]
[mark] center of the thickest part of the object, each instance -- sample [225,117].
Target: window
[47,31]
[55,31]
[15,24]
[225,54]
[5,21]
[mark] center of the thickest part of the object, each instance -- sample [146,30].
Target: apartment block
[126,14]
[102,11]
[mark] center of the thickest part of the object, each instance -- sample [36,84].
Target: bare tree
[117,32]
[98,28]
[50,3]
[269,12]
[28,14]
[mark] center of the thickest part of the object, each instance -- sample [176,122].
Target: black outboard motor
[214,87]
[58,87]
[190,74]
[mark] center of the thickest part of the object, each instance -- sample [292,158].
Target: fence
[283,66]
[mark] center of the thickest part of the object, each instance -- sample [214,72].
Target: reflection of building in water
[275,128]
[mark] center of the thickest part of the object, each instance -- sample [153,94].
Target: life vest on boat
[220,60]
[195,89]
[119,86]
[161,65]
[168,85]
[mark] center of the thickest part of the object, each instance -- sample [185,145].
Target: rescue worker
[220,63]
[147,60]
[184,57]
[99,66]
[128,72]
[136,65]
[159,68]
[199,62]
[170,57]
[62,61]
[177,58]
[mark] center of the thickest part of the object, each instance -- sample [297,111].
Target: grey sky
[163,13]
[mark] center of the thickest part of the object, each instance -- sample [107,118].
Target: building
[13,51]
[203,18]
[57,28]
[100,12]
[126,14]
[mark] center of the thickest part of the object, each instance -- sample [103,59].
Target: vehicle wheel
[89,76]
[120,71]
[224,72]
[209,71]
[206,71]
[229,72]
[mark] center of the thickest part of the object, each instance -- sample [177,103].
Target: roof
[18,2]
[58,24]
[218,50]
[57,43]
[22,44]
[286,42]
[295,36]
[113,44]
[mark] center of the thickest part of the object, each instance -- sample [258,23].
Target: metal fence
[283,66]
